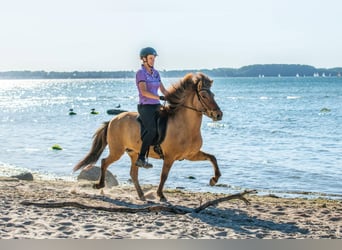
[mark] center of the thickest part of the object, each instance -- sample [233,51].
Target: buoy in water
[56,147]
[93,112]
[325,110]
[71,112]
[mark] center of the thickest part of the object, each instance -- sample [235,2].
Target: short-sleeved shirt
[152,84]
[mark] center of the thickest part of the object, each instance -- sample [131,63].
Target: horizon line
[188,69]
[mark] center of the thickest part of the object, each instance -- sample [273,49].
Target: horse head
[205,98]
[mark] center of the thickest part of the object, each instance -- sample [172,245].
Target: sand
[266,217]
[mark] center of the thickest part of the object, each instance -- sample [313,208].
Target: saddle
[161,121]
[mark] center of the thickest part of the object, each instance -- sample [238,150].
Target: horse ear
[197,79]
[199,85]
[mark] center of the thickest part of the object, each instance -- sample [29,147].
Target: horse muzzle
[216,115]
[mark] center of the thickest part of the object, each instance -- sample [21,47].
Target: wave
[265,98]
[216,125]
[8,170]
[282,193]
[236,97]
[293,97]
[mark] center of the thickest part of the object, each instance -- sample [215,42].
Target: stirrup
[143,164]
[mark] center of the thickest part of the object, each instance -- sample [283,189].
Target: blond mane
[179,90]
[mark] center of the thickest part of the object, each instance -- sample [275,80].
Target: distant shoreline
[256,70]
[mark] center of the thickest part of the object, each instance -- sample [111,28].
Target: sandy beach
[266,217]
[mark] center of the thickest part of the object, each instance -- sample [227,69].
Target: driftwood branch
[239,196]
[156,208]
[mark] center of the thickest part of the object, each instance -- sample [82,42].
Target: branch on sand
[157,208]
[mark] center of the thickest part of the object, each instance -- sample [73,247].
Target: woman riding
[148,83]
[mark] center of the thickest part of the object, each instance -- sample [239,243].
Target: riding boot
[142,163]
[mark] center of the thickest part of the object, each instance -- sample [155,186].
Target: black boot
[143,164]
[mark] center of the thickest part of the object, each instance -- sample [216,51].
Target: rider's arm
[145,92]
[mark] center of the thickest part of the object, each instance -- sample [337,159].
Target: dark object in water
[325,110]
[56,147]
[94,112]
[71,112]
[115,111]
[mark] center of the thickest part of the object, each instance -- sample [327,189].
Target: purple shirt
[152,84]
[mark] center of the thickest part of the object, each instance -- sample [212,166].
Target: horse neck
[191,118]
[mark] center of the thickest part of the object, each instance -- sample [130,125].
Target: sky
[107,35]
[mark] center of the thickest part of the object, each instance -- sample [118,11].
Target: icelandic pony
[187,100]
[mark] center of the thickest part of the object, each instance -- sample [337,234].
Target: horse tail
[97,148]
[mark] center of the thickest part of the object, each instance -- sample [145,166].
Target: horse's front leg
[163,177]
[202,156]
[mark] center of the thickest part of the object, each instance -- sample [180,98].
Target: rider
[148,82]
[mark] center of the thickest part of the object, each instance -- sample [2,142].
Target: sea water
[278,135]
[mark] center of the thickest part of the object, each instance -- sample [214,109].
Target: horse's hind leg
[104,165]
[105,162]
[202,156]
[134,175]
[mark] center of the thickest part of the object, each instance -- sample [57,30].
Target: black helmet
[147,51]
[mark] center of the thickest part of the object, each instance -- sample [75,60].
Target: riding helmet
[147,51]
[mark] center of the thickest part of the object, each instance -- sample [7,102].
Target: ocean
[280,135]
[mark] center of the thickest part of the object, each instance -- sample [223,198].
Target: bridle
[204,105]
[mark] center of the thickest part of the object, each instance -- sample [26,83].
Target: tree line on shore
[256,70]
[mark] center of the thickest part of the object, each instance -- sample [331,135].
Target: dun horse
[188,100]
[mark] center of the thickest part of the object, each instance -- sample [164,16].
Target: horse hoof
[212,181]
[142,198]
[97,186]
[163,199]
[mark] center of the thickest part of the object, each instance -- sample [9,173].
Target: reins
[201,101]
[194,109]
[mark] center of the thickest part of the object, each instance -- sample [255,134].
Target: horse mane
[179,90]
